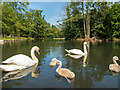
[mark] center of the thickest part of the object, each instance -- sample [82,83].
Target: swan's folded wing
[24,61]
[21,60]
[76,51]
[11,59]
[67,73]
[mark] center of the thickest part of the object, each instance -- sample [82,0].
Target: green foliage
[19,21]
[113,21]
[83,19]
[72,25]
[101,19]
[8,19]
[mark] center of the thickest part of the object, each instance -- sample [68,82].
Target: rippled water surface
[91,71]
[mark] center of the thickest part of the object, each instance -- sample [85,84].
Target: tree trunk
[84,19]
[88,25]
[88,20]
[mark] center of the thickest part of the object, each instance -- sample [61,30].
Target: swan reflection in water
[59,78]
[115,73]
[79,56]
[74,56]
[12,75]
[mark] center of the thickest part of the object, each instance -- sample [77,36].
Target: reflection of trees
[99,57]
[83,79]
[24,47]
[77,63]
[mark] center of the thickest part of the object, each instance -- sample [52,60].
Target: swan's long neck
[115,62]
[85,49]
[33,55]
[59,67]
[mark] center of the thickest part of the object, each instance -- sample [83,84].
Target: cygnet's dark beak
[38,51]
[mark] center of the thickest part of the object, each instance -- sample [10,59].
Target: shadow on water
[91,70]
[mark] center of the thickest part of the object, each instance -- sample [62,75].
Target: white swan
[115,67]
[77,51]
[20,61]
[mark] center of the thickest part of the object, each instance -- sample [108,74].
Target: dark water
[91,72]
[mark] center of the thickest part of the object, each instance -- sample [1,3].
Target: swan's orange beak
[39,51]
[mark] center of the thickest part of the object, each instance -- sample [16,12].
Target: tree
[8,20]
[112,21]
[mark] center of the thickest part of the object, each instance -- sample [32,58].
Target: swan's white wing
[11,67]
[9,60]
[21,60]
[76,51]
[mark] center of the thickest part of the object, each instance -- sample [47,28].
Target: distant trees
[92,19]
[112,21]
[83,20]
[19,21]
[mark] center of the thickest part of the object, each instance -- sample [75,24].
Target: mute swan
[64,72]
[20,61]
[115,67]
[53,62]
[77,51]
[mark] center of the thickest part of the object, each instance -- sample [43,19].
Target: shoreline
[2,41]
[96,39]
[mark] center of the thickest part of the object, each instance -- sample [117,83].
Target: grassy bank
[15,38]
[58,38]
[79,39]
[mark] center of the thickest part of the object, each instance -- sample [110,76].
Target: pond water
[91,71]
